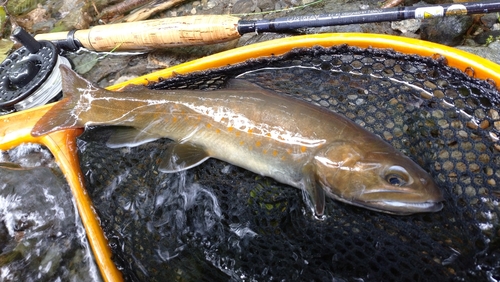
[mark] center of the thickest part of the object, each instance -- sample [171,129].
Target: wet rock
[251,38]
[336,29]
[83,61]
[378,28]
[487,37]
[104,72]
[266,5]
[216,7]
[490,52]
[36,21]
[104,68]
[407,26]
[448,31]
[488,20]
[243,7]
[76,15]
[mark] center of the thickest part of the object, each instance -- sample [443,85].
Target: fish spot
[242,143]
[264,151]
[275,153]
[258,144]
[217,131]
[230,128]
[174,119]
[250,131]
[303,149]
[209,125]
[238,133]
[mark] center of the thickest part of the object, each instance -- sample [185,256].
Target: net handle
[15,129]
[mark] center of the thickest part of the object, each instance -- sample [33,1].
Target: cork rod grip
[152,34]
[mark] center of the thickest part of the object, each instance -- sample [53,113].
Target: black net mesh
[218,222]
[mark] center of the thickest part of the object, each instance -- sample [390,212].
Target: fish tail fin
[63,115]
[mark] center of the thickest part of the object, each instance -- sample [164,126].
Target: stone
[448,30]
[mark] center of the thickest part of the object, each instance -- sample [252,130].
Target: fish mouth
[399,207]
[401,202]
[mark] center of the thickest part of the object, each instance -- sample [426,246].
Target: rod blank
[368,16]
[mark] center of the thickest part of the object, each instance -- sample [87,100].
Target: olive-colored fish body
[292,141]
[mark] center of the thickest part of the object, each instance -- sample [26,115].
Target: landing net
[218,222]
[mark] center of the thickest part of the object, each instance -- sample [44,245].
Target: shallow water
[41,235]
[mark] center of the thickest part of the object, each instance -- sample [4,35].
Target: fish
[294,142]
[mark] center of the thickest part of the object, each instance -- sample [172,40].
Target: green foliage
[491,39]
[20,7]
[5,47]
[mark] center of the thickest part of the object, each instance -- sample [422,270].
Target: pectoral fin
[179,157]
[129,137]
[315,191]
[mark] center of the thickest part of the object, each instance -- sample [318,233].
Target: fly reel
[30,76]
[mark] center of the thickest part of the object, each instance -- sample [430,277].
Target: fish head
[378,178]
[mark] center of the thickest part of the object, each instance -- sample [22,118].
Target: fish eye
[395,180]
[397,176]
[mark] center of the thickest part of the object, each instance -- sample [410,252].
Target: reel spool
[30,76]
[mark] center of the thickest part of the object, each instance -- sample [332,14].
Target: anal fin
[179,157]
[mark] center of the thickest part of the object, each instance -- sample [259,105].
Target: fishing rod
[30,72]
[201,30]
